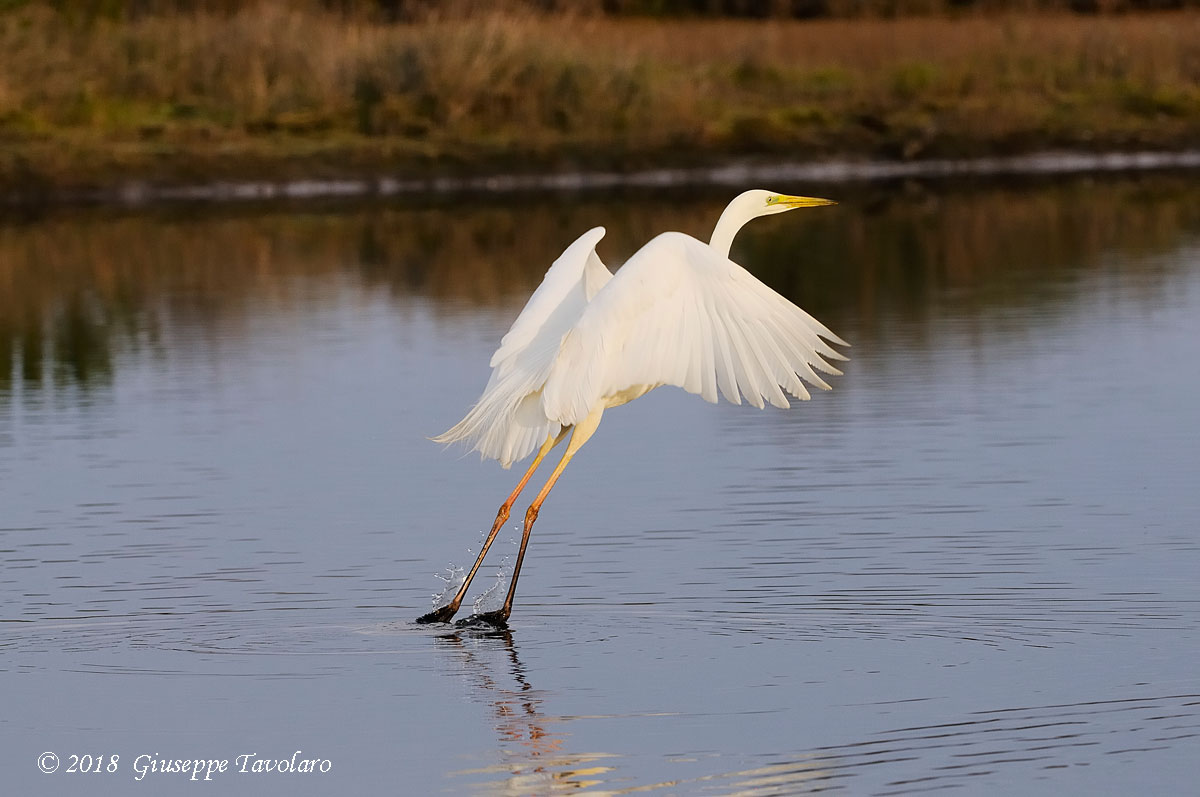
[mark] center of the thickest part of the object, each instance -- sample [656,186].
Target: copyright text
[144,765]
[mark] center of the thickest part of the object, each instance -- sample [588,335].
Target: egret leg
[583,430]
[448,611]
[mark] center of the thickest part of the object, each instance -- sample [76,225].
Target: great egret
[679,312]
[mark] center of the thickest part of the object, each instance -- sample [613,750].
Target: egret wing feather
[565,282]
[674,302]
[507,423]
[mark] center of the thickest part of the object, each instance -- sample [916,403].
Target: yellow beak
[798,201]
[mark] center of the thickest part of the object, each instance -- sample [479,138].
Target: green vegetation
[280,91]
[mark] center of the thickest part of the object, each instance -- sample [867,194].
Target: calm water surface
[971,567]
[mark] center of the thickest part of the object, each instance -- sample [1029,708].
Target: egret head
[778,203]
[752,204]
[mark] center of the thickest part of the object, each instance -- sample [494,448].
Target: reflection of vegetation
[73,334]
[76,290]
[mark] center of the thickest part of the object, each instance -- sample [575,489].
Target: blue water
[970,567]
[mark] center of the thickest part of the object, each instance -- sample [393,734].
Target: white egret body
[679,312]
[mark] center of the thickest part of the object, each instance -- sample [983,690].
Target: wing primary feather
[785,369]
[822,330]
[751,306]
[801,322]
[768,377]
[800,355]
[774,346]
[691,382]
[726,373]
[825,350]
[681,354]
[708,372]
[742,363]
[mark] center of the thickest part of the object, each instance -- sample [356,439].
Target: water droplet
[453,578]
[482,600]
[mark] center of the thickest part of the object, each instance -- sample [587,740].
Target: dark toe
[496,619]
[442,615]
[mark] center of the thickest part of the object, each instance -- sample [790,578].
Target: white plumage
[679,312]
[508,422]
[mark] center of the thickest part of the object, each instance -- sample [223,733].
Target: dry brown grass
[275,91]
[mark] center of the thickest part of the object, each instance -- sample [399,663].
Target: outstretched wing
[507,422]
[570,283]
[680,313]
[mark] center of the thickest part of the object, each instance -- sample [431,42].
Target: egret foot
[496,619]
[442,615]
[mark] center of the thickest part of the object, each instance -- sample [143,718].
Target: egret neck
[751,205]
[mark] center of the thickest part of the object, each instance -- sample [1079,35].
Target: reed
[280,91]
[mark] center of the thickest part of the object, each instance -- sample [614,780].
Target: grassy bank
[273,93]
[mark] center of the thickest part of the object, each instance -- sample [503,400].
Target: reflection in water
[535,762]
[78,291]
[920,758]
[533,743]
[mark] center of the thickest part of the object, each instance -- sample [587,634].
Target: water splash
[453,576]
[482,600]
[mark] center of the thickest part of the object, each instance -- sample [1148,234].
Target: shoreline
[135,193]
[272,102]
